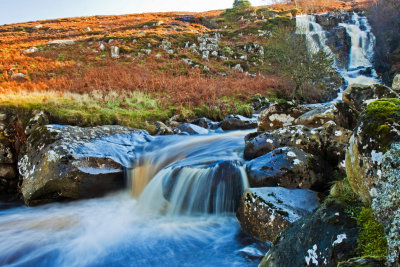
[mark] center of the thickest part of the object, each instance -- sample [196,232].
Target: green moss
[371,239]
[379,116]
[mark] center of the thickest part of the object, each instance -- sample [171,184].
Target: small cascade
[359,68]
[191,175]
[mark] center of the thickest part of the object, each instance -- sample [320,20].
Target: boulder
[327,141]
[31,50]
[6,152]
[18,76]
[279,115]
[358,96]
[387,201]
[325,238]
[289,167]
[205,187]
[192,129]
[162,129]
[238,122]
[377,129]
[338,112]
[265,212]
[61,42]
[396,83]
[206,123]
[39,119]
[66,162]
[114,51]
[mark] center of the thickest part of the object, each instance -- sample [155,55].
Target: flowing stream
[135,227]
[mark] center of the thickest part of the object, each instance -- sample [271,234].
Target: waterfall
[191,175]
[360,67]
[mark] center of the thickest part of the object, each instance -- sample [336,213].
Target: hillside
[146,67]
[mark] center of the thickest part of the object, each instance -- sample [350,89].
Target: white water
[361,52]
[121,230]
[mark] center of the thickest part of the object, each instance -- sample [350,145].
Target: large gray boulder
[265,212]
[324,238]
[66,162]
[192,129]
[289,167]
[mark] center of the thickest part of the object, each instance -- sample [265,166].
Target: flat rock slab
[265,212]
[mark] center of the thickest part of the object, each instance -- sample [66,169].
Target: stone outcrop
[65,162]
[238,122]
[325,238]
[279,115]
[358,96]
[265,212]
[289,167]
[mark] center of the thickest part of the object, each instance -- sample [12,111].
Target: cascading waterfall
[359,69]
[196,175]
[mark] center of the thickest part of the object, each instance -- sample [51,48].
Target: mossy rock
[377,128]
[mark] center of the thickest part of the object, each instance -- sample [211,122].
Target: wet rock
[206,123]
[288,167]
[340,43]
[265,212]
[359,96]
[208,187]
[396,83]
[387,201]
[238,122]
[325,238]
[279,115]
[65,162]
[8,171]
[338,112]
[192,129]
[377,129]
[61,42]
[162,129]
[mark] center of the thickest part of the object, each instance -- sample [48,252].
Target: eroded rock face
[377,129]
[289,167]
[265,212]
[325,238]
[338,112]
[387,201]
[65,162]
[279,115]
[358,96]
[238,122]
